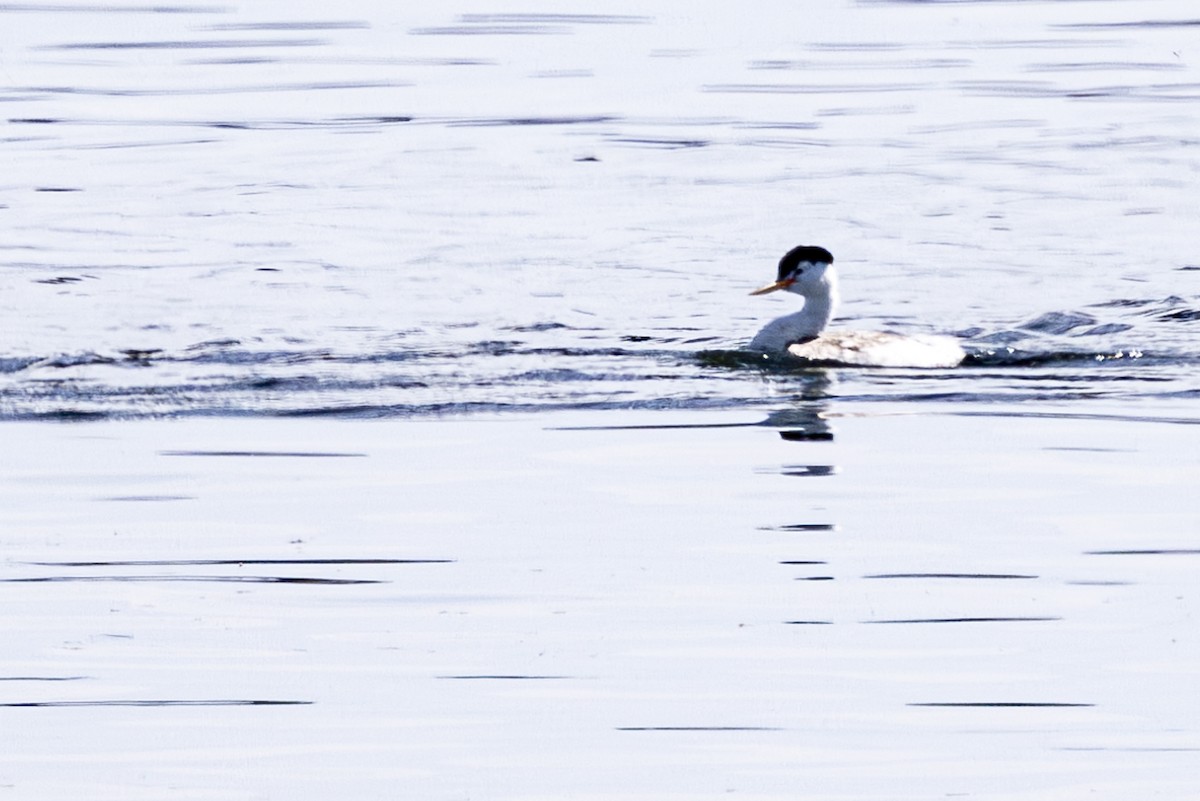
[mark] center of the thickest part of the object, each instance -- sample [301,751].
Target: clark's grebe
[808,271]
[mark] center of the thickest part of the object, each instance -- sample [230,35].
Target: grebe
[808,271]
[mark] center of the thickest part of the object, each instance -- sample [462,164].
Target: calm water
[273,208]
[581,550]
[542,607]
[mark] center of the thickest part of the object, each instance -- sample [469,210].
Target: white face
[806,276]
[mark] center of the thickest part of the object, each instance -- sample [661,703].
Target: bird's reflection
[804,422]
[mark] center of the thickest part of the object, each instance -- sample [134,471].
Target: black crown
[809,253]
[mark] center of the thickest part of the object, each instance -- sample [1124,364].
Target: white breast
[880,349]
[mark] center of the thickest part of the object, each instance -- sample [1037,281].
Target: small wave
[72,360]
[15,364]
[1171,309]
[1058,322]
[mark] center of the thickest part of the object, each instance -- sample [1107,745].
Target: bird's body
[808,271]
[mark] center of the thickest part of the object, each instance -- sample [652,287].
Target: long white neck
[820,301]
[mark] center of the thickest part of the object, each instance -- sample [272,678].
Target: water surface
[248,209]
[550,606]
[580,548]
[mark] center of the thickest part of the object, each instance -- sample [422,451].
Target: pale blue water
[924,605]
[587,553]
[271,208]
